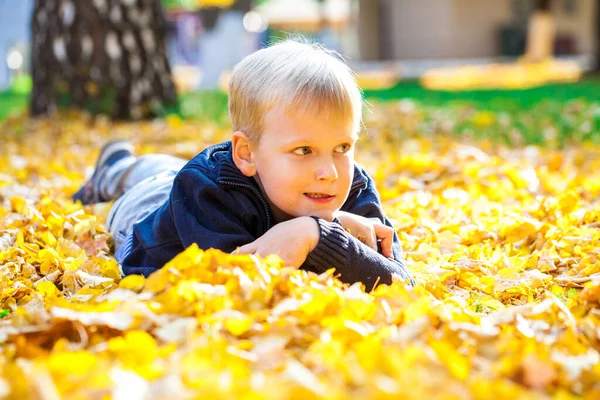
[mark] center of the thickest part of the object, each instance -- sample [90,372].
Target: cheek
[346,170]
[281,179]
[281,173]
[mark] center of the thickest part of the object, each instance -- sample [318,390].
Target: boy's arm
[198,211]
[353,260]
[370,231]
[291,240]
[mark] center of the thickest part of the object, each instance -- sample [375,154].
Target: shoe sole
[112,147]
[107,150]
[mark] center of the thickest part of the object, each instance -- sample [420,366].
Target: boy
[285,184]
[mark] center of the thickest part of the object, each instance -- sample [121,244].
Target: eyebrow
[301,142]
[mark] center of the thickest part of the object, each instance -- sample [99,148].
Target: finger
[249,248]
[386,234]
[370,240]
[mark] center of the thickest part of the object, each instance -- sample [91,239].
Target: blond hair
[302,78]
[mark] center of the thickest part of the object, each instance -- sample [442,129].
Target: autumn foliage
[502,241]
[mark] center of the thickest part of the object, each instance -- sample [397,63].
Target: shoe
[111,152]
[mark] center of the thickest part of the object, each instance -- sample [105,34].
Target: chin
[326,215]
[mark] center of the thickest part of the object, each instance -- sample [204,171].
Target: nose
[327,171]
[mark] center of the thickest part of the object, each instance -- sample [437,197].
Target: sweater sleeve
[352,259]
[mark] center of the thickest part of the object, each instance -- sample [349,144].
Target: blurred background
[147,52]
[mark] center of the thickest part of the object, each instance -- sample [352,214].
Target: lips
[319,197]
[315,195]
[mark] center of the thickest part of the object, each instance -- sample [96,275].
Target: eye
[343,148]
[302,151]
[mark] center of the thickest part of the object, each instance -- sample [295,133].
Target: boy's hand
[368,230]
[291,240]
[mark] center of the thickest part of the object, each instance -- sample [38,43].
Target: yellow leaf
[568,202]
[18,204]
[48,238]
[133,282]
[238,326]
[72,363]
[47,288]
[458,365]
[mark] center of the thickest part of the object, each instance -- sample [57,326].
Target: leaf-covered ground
[503,242]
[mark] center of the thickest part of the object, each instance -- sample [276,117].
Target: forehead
[285,126]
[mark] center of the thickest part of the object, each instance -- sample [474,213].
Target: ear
[242,149]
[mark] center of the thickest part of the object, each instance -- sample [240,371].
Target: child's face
[304,165]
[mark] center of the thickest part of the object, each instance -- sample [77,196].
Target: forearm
[291,240]
[353,260]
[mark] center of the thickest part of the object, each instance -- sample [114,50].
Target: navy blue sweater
[216,206]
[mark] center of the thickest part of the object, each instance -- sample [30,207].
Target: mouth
[319,197]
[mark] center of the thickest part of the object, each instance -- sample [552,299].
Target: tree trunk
[91,49]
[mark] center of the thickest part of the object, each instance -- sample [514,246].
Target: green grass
[12,103]
[213,104]
[492,100]
[210,105]
[199,104]
[554,114]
